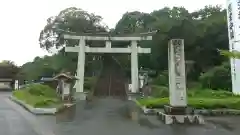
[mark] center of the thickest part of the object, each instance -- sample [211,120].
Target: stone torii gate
[83,48]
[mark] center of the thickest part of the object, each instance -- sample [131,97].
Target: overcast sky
[22,20]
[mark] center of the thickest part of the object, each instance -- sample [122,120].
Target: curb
[149,111]
[217,112]
[37,111]
[146,110]
[204,112]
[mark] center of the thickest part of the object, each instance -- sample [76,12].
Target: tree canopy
[204,33]
[8,69]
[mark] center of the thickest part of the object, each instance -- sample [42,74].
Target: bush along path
[38,99]
[204,102]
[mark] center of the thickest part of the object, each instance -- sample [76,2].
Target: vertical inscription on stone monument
[230,23]
[238,17]
[177,82]
[177,60]
[177,56]
[238,5]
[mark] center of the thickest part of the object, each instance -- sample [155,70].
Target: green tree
[234,54]
[71,21]
[8,69]
[204,32]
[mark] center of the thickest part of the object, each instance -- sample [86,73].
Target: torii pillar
[134,67]
[82,48]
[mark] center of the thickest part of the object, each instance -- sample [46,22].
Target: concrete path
[109,117]
[104,117]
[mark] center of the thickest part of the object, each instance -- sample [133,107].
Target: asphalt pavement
[15,120]
[106,116]
[11,122]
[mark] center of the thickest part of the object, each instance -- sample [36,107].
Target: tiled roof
[67,75]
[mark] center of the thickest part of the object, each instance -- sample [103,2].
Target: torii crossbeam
[133,49]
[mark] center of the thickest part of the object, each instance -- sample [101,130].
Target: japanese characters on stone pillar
[233,18]
[177,79]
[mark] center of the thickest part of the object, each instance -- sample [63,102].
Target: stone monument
[177,110]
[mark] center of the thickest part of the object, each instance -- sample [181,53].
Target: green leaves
[8,69]
[234,54]
[203,31]
[71,20]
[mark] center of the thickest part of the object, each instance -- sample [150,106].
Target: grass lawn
[198,103]
[199,99]
[39,96]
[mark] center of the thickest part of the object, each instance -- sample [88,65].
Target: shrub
[162,79]
[208,93]
[41,90]
[154,102]
[87,86]
[197,103]
[36,100]
[197,98]
[159,91]
[89,82]
[217,78]
[45,102]
[194,84]
[162,91]
[211,103]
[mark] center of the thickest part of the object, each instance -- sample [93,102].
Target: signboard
[230,21]
[238,21]
[233,13]
[233,18]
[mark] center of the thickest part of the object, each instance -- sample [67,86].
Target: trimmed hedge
[159,91]
[89,82]
[218,77]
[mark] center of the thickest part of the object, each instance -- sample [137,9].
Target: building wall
[5,85]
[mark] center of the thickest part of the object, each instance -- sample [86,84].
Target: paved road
[11,122]
[14,120]
[105,116]
[109,117]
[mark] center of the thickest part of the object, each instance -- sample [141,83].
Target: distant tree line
[204,31]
